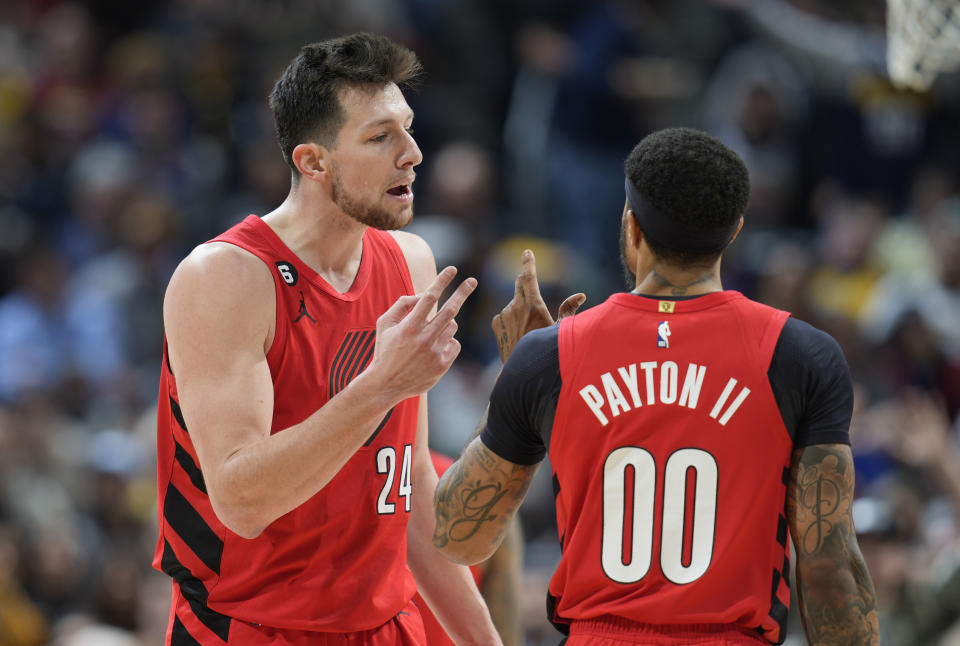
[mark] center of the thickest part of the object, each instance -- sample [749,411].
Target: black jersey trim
[166,357]
[219,624]
[178,414]
[192,528]
[561,626]
[180,636]
[189,466]
[195,593]
[778,610]
[189,584]
[386,418]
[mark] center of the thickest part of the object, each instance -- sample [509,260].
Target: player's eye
[379,138]
[409,130]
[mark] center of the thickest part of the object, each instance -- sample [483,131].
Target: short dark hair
[691,177]
[305,100]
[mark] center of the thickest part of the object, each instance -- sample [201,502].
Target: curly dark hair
[692,177]
[305,100]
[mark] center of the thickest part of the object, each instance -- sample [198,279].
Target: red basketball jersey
[670,461]
[436,635]
[337,563]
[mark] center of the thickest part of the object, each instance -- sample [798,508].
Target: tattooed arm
[475,502]
[837,601]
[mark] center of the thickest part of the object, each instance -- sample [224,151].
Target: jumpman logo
[303,311]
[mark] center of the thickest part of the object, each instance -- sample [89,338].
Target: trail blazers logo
[351,359]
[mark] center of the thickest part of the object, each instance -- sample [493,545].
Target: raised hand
[413,348]
[526,311]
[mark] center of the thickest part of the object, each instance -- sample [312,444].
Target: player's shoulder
[807,357]
[536,354]
[220,265]
[220,277]
[418,256]
[801,340]
[539,341]
[414,247]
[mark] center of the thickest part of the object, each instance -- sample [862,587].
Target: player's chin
[406,217]
[391,219]
[402,216]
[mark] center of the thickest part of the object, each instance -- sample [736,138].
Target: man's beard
[368,213]
[628,275]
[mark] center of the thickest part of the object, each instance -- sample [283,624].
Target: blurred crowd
[132,131]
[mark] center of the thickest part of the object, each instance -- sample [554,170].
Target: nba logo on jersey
[663,334]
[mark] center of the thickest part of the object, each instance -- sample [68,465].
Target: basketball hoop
[923,40]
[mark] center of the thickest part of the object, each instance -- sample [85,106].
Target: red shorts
[618,631]
[196,625]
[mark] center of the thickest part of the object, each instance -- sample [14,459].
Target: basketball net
[923,40]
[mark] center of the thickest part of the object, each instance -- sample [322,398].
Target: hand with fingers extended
[526,311]
[414,348]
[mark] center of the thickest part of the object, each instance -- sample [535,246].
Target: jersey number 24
[387,465]
[629,566]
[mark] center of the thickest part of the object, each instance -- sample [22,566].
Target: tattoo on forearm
[820,497]
[837,600]
[476,501]
[478,495]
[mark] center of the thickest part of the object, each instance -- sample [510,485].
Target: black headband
[672,234]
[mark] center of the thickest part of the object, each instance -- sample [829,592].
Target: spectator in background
[935,296]
[843,280]
[911,545]
[458,194]
[755,103]
[23,623]
[50,334]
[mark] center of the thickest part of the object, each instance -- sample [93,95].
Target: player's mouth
[402,192]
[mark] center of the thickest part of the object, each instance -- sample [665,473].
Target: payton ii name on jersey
[659,383]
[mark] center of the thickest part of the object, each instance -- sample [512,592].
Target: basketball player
[690,431]
[294,478]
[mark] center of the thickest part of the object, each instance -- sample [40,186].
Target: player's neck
[662,280]
[322,236]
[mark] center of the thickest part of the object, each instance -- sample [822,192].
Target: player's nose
[411,155]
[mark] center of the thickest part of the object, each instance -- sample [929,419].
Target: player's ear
[312,160]
[737,232]
[633,232]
